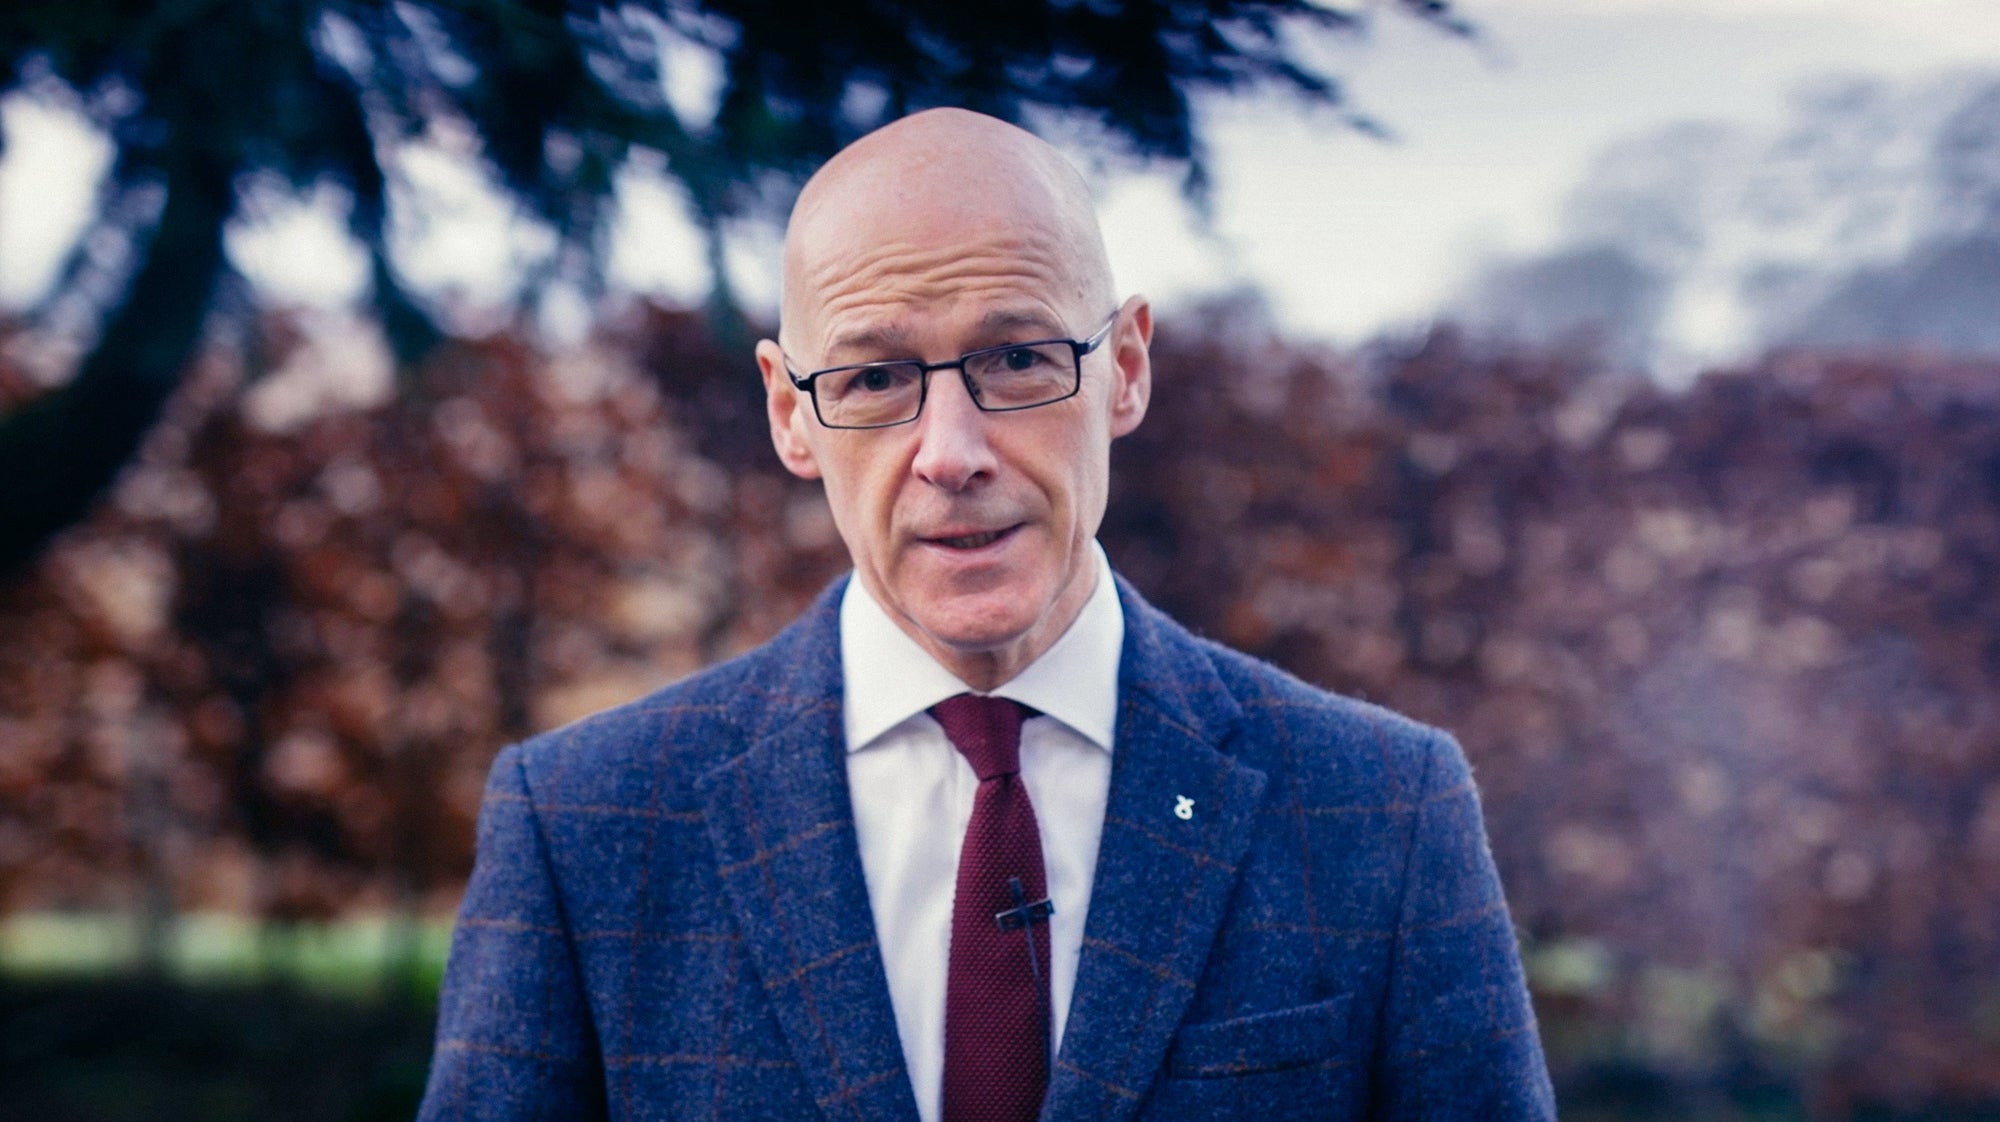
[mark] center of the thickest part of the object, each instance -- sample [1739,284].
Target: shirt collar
[889,678]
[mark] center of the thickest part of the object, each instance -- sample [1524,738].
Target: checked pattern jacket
[667,918]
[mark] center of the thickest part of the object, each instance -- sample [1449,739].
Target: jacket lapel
[1177,824]
[782,828]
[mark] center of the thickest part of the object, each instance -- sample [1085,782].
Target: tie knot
[985,730]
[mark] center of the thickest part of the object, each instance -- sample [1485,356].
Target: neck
[984,671]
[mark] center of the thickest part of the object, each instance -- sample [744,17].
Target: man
[982,835]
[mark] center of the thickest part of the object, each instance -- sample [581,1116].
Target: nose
[952,450]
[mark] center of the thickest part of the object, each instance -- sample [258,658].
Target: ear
[789,412]
[1131,365]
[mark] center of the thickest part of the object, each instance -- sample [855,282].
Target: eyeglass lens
[1003,378]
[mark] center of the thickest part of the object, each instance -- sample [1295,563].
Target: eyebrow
[1002,325]
[1006,321]
[881,340]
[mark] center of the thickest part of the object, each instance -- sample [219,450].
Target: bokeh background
[1617,385]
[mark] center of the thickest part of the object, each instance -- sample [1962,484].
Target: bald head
[890,203]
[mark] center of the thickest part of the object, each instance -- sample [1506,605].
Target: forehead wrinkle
[894,303]
[870,305]
[889,261]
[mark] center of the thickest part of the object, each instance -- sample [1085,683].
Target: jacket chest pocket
[1287,1063]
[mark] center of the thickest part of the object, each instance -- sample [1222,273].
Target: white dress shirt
[912,794]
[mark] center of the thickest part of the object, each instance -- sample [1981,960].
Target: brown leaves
[1727,661]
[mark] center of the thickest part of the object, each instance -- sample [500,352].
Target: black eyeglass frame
[1078,349]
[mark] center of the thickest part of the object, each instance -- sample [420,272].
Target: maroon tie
[996,1004]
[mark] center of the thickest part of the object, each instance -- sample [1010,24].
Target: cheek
[861,490]
[1093,477]
[1070,465]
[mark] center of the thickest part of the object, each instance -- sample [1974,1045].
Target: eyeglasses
[875,395]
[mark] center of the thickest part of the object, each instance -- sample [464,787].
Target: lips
[974,540]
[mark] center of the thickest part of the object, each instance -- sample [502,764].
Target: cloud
[1869,215]
[1963,24]
[50,169]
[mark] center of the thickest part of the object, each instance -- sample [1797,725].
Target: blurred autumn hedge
[1726,660]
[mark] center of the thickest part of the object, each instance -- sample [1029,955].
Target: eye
[874,380]
[870,381]
[1020,359]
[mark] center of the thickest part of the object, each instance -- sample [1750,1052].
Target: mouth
[978,540]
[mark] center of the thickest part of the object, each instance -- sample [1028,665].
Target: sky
[1348,236]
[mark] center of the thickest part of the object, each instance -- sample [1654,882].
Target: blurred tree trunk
[61,451]
[149,823]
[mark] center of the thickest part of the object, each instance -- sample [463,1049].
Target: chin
[982,622]
[976,633]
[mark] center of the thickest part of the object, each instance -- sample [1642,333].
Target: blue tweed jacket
[668,920]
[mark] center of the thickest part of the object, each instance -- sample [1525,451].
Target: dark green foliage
[205,99]
[124,1049]
[119,1049]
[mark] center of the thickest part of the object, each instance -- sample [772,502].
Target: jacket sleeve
[1459,1038]
[514,1037]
